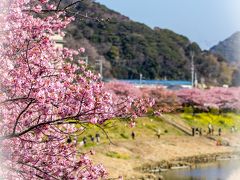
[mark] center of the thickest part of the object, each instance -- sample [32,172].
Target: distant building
[59,40]
[225,86]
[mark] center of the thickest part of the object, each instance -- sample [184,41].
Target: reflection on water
[235,175]
[221,170]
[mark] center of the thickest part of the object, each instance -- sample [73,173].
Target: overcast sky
[205,21]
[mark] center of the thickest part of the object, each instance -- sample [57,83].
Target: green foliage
[225,121]
[222,122]
[125,136]
[213,68]
[113,53]
[151,127]
[188,110]
[214,111]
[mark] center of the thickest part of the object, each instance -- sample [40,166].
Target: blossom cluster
[217,98]
[46,96]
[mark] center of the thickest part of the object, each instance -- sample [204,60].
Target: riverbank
[127,157]
[135,159]
[157,170]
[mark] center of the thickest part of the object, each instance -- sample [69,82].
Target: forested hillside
[129,48]
[230,50]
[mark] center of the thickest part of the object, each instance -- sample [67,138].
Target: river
[220,170]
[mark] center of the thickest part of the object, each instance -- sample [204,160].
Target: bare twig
[30,71]
[106,134]
[19,116]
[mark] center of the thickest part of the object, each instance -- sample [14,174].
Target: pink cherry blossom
[44,94]
[217,97]
[82,50]
[164,100]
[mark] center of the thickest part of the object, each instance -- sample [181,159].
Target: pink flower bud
[132,124]
[94,121]
[43,1]
[37,8]
[81,50]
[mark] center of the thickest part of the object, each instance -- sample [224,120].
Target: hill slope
[229,48]
[129,48]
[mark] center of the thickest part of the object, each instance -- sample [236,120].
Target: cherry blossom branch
[28,43]
[19,116]
[38,169]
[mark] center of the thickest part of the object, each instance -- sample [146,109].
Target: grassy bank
[119,130]
[125,155]
[224,121]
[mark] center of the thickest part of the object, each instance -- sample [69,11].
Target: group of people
[210,130]
[196,131]
[92,139]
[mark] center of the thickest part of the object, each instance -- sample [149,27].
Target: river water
[220,170]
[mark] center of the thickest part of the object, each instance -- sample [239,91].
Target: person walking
[133,135]
[84,141]
[91,138]
[200,131]
[219,131]
[97,137]
[158,133]
[210,128]
[193,131]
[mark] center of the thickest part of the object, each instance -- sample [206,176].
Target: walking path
[177,124]
[180,125]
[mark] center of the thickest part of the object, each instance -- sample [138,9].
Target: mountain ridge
[130,48]
[229,48]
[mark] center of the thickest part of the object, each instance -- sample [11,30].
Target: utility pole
[192,67]
[140,79]
[100,63]
[195,80]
